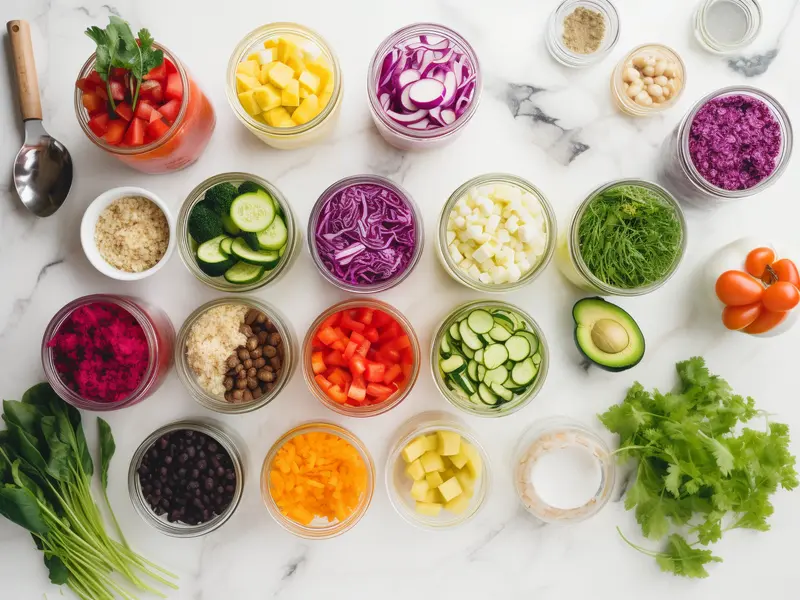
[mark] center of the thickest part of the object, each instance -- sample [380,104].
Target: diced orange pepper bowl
[361,358]
[317,480]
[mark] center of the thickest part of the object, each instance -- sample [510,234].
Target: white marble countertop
[553,126]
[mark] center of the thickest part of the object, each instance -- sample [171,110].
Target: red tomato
[171,68]
[766,321]
[95,78]
[124,111]
[159,73]
[157,128]
[786,270]
[757,261]
[135,134]
[170,110]
[116,129]
[85,85]
[152,90]
[174,89]
[93,103]
[781,296]
[736,288]
[99,124]
[117,90]
[143,110]
[739,317]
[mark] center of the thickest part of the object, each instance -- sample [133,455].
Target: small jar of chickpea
[648,80]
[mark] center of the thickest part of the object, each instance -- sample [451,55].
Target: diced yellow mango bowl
[437,473]
[284,84]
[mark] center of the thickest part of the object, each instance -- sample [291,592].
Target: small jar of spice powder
[733,143]
[105,352]
[580,33]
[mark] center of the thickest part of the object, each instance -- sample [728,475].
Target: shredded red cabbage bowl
[365,234]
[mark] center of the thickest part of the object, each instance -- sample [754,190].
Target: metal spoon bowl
[43,166]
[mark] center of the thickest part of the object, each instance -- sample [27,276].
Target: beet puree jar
[159,335]
[678,173]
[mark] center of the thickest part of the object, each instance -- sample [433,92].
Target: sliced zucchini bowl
[237,231]
[489,358]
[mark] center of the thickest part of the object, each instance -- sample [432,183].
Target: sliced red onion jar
[424,85]
[365,234]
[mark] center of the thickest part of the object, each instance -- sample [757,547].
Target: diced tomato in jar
[115,132]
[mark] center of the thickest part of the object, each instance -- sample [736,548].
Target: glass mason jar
[320,528]
[177,529]
[677,172]
[571,263]
[619,91]
[398,483]
[716,36]
[399,135]
[325,197]
[187,247]
[457,397]
[183,143]
[374,409]
[555,32]
[441,233]
[286,138]
[560,433]
[218,403]
[158,331]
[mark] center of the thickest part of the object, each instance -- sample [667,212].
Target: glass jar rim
[554,425]
[435,423]
[375,409]
[187,254]
[385,47]
[524,399]
[365,179]
[778,112]
[616,80]
[338,527]
[130,305]
[87,68]
[754,12]
[211,429]
[188,379]
[575,59]
[533,273]
[269,30]
[574,242]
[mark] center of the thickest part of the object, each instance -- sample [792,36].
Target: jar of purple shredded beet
[733,143]
[365,234]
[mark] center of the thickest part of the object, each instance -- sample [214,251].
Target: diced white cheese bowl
[496,233]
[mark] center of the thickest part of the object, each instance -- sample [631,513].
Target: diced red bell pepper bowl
[157,108]
[361,357]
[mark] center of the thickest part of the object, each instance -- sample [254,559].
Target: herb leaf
[107,449]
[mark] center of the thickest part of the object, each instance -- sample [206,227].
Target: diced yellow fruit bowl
[437,474]
[285,85]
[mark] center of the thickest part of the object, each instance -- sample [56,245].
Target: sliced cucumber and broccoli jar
[490,357]
[239,233]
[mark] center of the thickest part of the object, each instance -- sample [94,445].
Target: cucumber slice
[251,239]
[536,358]
[509,364]
[463,382]
[480,321]
[444,348]
[532,340]
[506,394]
[524,372]
[494,356]
[509,384]
[475,399]
[242,251]
[454,332]
[488,397]
[243,272]
[225,246]
[211,260]
[498,375]
[499,333]
[454,364]
[467,351]
[486,339]
[472,370]
[453,387]
[273,237]
[479,356]
[253,212]
[481,372]
[506,319]
[229,226]
[518,348]
[469,337]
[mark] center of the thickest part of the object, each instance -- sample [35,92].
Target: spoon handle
[19,32]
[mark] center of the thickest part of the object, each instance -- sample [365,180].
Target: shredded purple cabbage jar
[734,142]
[366,234]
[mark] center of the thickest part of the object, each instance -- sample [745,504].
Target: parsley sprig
[697,469]
[117,48]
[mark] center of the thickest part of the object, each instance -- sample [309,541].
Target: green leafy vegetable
[629,236]
[696,469]
[117,48]
[45,487]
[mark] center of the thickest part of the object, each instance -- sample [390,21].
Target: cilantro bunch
[698,473]
[117,48]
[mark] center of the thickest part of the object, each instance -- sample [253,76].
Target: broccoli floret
[204,224]
[248,187]
[220,197]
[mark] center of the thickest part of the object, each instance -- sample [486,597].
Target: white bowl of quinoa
[127,233]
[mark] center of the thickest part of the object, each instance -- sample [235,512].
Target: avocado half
[607,335]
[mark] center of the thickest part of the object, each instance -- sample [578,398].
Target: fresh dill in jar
[630,236]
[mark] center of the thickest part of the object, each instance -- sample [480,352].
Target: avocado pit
[610,336]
